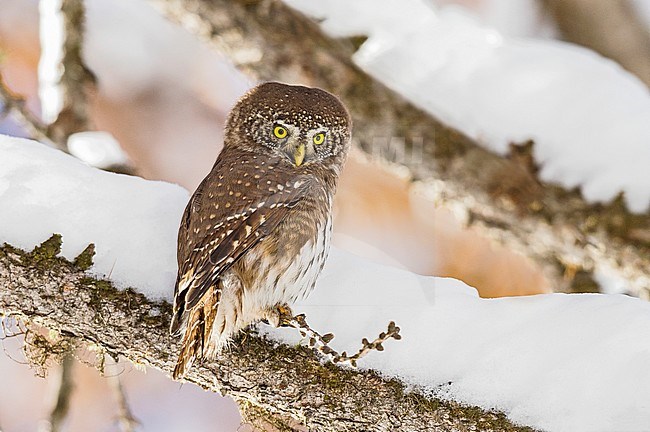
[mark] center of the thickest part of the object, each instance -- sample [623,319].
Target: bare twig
[321,342]
[11,328]
[128,423]
[15,105]
[63,391]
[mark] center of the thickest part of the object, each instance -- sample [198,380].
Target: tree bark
[502,197]
[609,27]
[275,384]
[64,78]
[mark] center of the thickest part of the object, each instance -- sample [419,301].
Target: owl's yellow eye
[319,138]
[280,132]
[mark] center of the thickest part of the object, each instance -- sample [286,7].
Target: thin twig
[128,423]
[63,392]
[321,342]
[7,334]
[15,105]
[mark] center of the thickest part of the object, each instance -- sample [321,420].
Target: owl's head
[302,125]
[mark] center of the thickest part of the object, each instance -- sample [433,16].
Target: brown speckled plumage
[255,234]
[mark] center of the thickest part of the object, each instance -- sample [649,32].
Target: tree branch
[62,394]
[126,419]
[501,197]
[63,79]
[611,28]
[63,76]
[280,385]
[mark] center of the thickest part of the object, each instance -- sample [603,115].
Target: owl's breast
[276,275]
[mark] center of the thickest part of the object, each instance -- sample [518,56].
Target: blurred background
[164,96]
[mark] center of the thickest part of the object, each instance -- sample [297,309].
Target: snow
[589,118]
[49,71]
[132,221]
[519,18]
[556,362]
[97,148]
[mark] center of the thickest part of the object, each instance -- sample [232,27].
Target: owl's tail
[197,332]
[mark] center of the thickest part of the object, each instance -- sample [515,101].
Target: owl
[255,235]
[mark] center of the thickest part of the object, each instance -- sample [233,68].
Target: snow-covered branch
[509,354]
[273,383]
[578,244]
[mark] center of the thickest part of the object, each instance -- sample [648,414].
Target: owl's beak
[299,155]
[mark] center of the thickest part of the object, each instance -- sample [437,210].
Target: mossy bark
[287,387]
[502,197]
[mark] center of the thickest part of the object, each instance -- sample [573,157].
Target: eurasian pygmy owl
[255,234]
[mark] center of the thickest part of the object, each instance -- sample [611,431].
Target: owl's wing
[227,242]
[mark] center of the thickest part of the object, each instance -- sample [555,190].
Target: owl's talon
[280,316]
[284,310]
